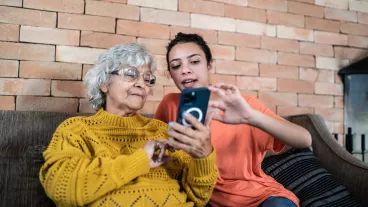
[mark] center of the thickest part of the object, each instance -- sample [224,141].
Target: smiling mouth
[189,83]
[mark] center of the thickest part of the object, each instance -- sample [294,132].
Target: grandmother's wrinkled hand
[155,159]
[195,140]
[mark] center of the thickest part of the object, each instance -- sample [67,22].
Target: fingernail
[184,114]
[169,131]
[171,138]
[159,160]
[171,124]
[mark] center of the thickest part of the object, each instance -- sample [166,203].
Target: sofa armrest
[347,169]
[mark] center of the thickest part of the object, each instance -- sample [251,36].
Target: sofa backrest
[23,138]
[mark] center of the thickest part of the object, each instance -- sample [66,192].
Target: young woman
[242,132]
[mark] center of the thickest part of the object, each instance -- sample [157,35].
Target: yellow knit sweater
[99,161]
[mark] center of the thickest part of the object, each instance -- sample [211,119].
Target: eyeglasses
[132,74]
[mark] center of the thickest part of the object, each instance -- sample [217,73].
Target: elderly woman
[116,157]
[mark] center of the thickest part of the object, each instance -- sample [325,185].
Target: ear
[104,88]
[209,65]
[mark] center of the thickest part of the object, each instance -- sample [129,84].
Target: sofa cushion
[300,172]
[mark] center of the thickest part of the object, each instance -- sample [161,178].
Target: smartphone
[195,102]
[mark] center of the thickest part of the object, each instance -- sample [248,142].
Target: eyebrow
[192,55]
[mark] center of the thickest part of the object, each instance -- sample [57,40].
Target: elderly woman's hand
[195,141]
[156,160]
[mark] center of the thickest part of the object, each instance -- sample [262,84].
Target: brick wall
[285,52]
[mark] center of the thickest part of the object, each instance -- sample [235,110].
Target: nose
[140,82]
[186,69]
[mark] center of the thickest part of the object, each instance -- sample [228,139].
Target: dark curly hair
[185,38]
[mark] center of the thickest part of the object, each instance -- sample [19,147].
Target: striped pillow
[300,172]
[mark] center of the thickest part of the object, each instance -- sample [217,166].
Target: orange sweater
[240,152]
[99,161]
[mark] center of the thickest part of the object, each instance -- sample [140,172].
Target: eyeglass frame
[153,77]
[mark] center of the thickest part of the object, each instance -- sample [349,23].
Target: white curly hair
[131,54]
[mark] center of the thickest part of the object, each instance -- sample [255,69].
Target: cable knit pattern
[100,161]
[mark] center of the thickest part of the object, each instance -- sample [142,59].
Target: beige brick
[330,114]
[67,88]
[164,80]
[272,43]
[358,41]
[256,55]
[49,35]
[156,93]
[17,3]
[209,36]
[34,103]
[294,33]
[338,4]
[155,46]
[339,102]
[7,103]
[162,4]
[296,59]
[292,111]
[306,1]
[149,107]
[255,28]
[249,93]
[143,29]
[202,7]
[282,18]
[235,2]
[363,18]
[77,54]
[86,68]
[358,29]
[13,86]
[239,40]
[246,13]
[223,52]
[331,63]
[161,62]
[278,71]
[350,53]
[165,17]
[85,106]
[295,86]
[256,83]
[342,15]
[27,17]
[9,68]
[69,6]
[272,99]
[322,24]
[313,75]
[9,32]
[171,89]
[305,9]
[236,68]
[361,6]
[50,70]
[104,40]
[329,88]
[86,22]
[339,129]
[337,77]
[277,5]
[309,48]
[23,51]
[330,38]
[315,100]
[222,23]
[108,9]
[117,1]
[219,78]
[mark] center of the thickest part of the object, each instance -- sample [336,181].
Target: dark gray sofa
[25,135]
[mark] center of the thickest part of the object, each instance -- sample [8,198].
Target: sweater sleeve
[77,172]
[199,178]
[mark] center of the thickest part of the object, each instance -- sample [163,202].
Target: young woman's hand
[195,140]
[156,160]
[235,109]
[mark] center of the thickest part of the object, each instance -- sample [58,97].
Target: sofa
[25,135]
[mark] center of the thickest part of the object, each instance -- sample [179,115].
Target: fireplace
[355,80]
